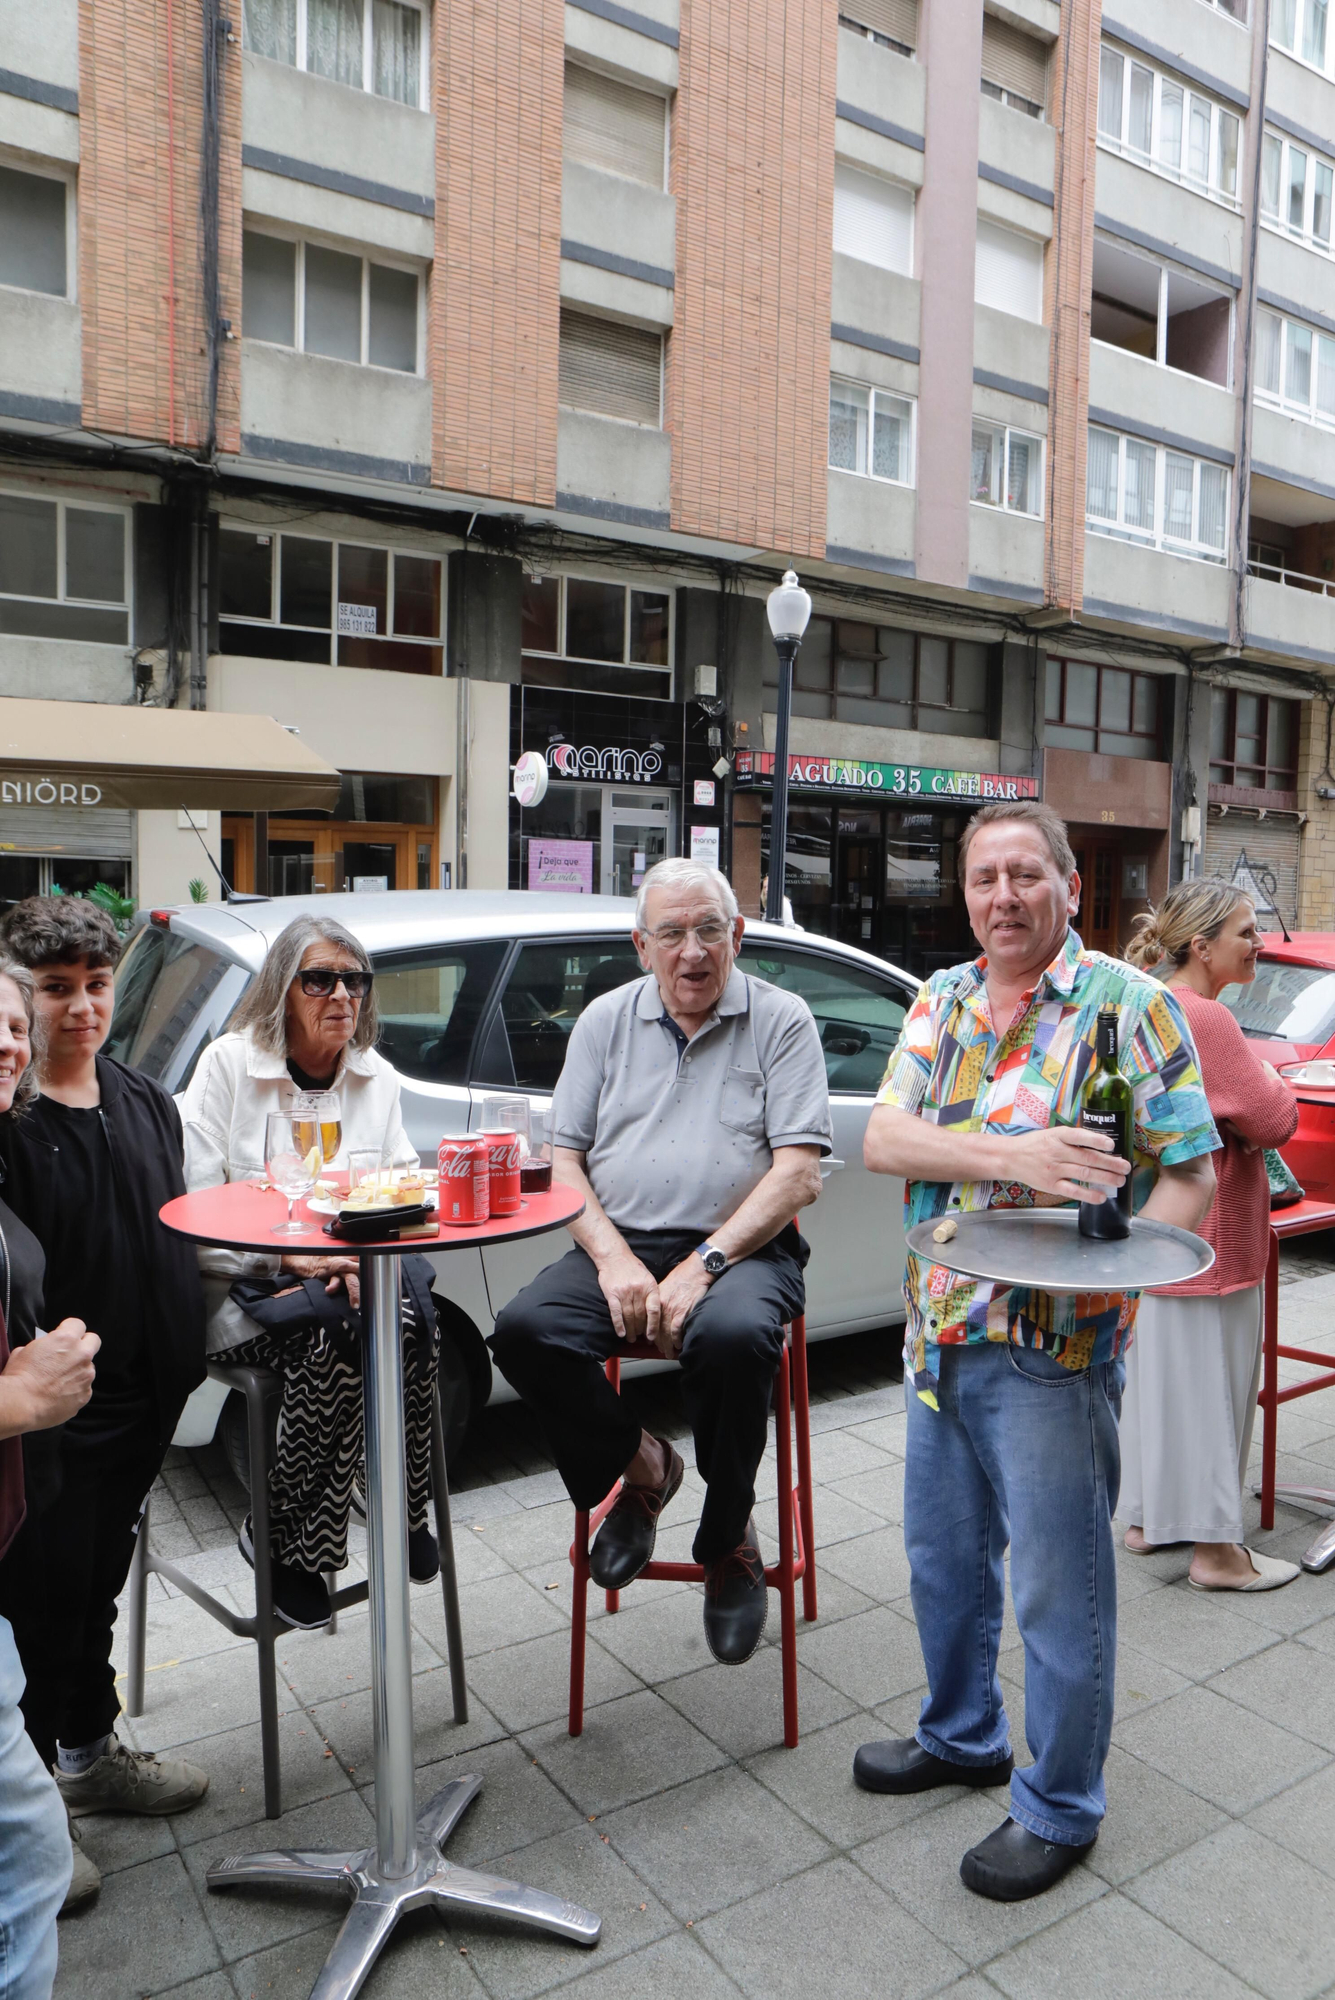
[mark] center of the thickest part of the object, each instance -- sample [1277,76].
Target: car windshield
[1285,1003]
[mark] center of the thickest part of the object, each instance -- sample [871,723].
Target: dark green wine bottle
[1110,1107]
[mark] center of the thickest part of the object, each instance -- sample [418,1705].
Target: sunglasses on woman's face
[319,981]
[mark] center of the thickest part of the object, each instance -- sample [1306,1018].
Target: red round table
[406,1868]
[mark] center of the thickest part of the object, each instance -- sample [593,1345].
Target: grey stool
[263,1391]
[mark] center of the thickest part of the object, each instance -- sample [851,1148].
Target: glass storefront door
[639,833]
[857,877]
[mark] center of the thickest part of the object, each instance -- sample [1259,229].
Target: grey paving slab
[875,1564]
[1320,1636]
[235,1796]
[529,1683]
[1302,1818]
[144,1934]
[345,1723]
[836,1516]
[880,1493]
[659,1639]
[1140,1681]
[887,1433]
[869,1658]
[1254,1906]
[630,1748]
[712,1842]
[195,1699]
[1211,1746]
[246,1920]
[838,1454]
[1195,1632]
[537,1489]
[1290,1685]
[676,1968]
[741,1710]
[1117,1951]
[518,1802]
[1149,1817]
[175,1629]
[319,1665]
[122,1840]
[532,1535]
[816,1780]
[500,1610]
[1300,1604]
[834,1918]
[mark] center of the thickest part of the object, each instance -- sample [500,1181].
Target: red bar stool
[797,1553]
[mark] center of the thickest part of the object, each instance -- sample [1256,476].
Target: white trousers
[1187,1414]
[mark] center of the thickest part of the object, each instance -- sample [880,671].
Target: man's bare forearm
[792,1183]
[1182,1195]
[598,1237]
[899,1142]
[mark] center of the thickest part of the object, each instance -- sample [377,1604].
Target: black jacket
[143,1132]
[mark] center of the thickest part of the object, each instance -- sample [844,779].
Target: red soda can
[465,1180]
[503,1153]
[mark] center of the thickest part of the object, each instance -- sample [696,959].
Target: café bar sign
[891,781]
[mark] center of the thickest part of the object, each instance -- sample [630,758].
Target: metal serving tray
[1043,1248]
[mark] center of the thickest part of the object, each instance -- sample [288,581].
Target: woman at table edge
[308,1022]
[1195,1365]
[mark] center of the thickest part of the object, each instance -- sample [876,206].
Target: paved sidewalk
[721,1864]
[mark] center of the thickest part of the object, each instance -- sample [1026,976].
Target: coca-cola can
[504,1154]
[465,1179]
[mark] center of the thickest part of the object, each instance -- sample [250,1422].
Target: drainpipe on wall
[199,604]
[1246,341]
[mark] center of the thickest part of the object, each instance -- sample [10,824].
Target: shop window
[375,45]
[1161,124]
[301,597]
[892,23]
[850,672]
[1006,469]
[1107,710]
[330,302]
[64,569]
[1167,317]
[1253,741]
[871,432]
[32,231]
[596,637]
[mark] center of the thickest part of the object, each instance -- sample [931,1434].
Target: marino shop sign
[900,781]
[590,760]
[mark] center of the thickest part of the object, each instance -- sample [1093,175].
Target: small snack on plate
[945,1230]
[409,1190]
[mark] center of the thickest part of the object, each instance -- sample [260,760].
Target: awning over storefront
[90,754]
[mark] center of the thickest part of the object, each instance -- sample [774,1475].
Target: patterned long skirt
[319,1450]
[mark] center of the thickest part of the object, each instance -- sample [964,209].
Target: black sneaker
[423,1555]
[300,1597]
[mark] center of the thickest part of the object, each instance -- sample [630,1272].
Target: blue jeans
[35,1857]
[1023,1451]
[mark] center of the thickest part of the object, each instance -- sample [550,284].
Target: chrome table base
[1321,1555]
[378,1901]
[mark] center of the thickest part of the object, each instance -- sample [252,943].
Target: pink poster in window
[564,866]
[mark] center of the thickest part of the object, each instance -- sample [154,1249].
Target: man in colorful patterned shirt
[1013,1395]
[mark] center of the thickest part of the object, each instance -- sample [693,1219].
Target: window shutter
[1015,61]
[873,220]
[1008,272]
[614,126]
[612,370]
[895,19]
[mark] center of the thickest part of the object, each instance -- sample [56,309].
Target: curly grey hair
[263,1009]
[682,873]
[26,1088]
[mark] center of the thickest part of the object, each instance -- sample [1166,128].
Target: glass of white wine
[292,1160]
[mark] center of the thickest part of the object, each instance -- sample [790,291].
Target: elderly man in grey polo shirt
[691,1115]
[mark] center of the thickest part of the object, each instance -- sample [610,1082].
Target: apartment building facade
[452,381]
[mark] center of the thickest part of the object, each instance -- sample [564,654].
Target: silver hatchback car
[478,992]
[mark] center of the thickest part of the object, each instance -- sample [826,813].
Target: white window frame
[93,504]
[1161,329]
[871,392]
[48,171]
[311,531]
[1217,7]
[654,584]
[388,259]
[901,187]
[1007,432]
[1278,219]
[1301,10]
[1121,144]
[421,7]
[1155,537]
[1307,412]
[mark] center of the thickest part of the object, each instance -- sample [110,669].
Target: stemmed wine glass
[292,1161]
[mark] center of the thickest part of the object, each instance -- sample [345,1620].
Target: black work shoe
[1012,1863]
[902,1765]
[423,1555]
[300,1597]
[736,1601]
[625,1542]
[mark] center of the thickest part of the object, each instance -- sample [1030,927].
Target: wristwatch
[714,1260]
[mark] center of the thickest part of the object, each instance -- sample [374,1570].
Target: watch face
[715,1262]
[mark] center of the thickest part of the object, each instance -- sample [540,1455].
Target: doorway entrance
[1098,919]
[639,833]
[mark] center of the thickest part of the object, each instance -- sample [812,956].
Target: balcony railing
[1296,579]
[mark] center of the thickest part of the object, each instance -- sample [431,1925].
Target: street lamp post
[788,610]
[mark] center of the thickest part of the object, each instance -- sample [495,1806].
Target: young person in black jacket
[87,1167]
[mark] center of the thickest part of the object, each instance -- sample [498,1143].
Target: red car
[1289,1012]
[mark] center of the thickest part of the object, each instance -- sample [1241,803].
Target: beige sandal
[1271,1574]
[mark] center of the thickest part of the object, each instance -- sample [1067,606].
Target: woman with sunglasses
[308,1022]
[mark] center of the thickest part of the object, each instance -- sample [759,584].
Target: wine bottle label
[1103,1121]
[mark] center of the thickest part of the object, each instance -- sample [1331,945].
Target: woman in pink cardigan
[1195,1364]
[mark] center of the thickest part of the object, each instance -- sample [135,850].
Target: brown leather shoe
[625,1542]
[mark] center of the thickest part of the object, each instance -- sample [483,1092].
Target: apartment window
[1149,309]
[1008,271]
[64,570]
[1139,491]
[1006,469]
[32,231]
[346,604]
[612,126]
[871,431]
[873,220]
[1301,27]
[376,45]
[848,671]
[1295,368]
[330,302]
[604,638]
[1236,10]
[1253,740]
[1015,67]
[1103,709]
[892,23]
[610,369]
[1161,124]
[1296,186]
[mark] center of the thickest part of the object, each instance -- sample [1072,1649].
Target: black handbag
[286,1306]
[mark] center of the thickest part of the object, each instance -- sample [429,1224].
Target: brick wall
[1067,284]
[145,361]
[495,293]
[748,379]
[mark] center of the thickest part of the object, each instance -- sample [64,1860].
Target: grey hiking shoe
[86,1879]
[133,1781]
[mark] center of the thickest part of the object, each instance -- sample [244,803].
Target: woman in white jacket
[307,1023]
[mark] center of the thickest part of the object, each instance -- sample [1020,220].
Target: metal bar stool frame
[263,1390]
[797,1542]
